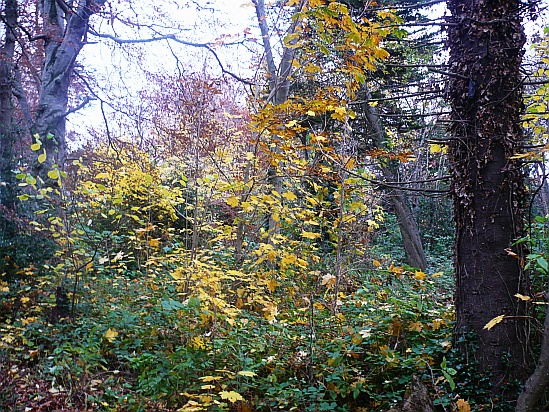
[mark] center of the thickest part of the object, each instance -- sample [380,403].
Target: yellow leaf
[494,322]
[291,123]
[463,406]
[376,263]
[210,378]
[232,201]
[357,339]
[25,299]
[247,373]
[310,235]
[231,396]
[419,275]
[311,113]
[316,3]
[53,174]
[271,285]
[289,196]
[415,326]
[102,176]
[435,148]
[522,297]
[249,156]
[35,147]
[42,158]
[270,311]
[110,335]
[177,275]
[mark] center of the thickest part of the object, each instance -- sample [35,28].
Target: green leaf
[542,263]
[23,197]
[30,180]
[20,175]
[449,379]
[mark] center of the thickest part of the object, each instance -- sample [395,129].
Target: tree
[486,39]
[7,139]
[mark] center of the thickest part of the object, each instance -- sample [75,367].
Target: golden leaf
[494,322]
[247,373]
[522,297]
[357,339]
[232,201]
[271,285]
[231,396]
[463,406]
[110,335]
[310,235]
[42,158]
[419,275]
[289,196]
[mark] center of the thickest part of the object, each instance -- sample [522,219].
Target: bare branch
[173,37]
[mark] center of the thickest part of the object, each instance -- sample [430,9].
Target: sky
[118,69]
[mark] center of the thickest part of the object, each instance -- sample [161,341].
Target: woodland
[339,206]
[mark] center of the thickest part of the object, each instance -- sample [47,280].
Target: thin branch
[456,75]
[87,99]
[207,46]
[410,7]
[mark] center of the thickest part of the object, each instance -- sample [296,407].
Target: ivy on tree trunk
[486,41]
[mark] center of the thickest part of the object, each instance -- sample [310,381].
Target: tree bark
[8,137]
[488,190]
[537,385]
[65,30]
[279,88]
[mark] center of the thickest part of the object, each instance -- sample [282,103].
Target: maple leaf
[232,201]
[110,335]
[231,396]
[463,406]
[419,275]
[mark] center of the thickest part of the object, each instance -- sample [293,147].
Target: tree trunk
[486,39]
[8,138]
[66,30]
[279,88]
[415,255]
[537,385]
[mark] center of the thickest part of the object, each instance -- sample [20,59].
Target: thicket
[246,257]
